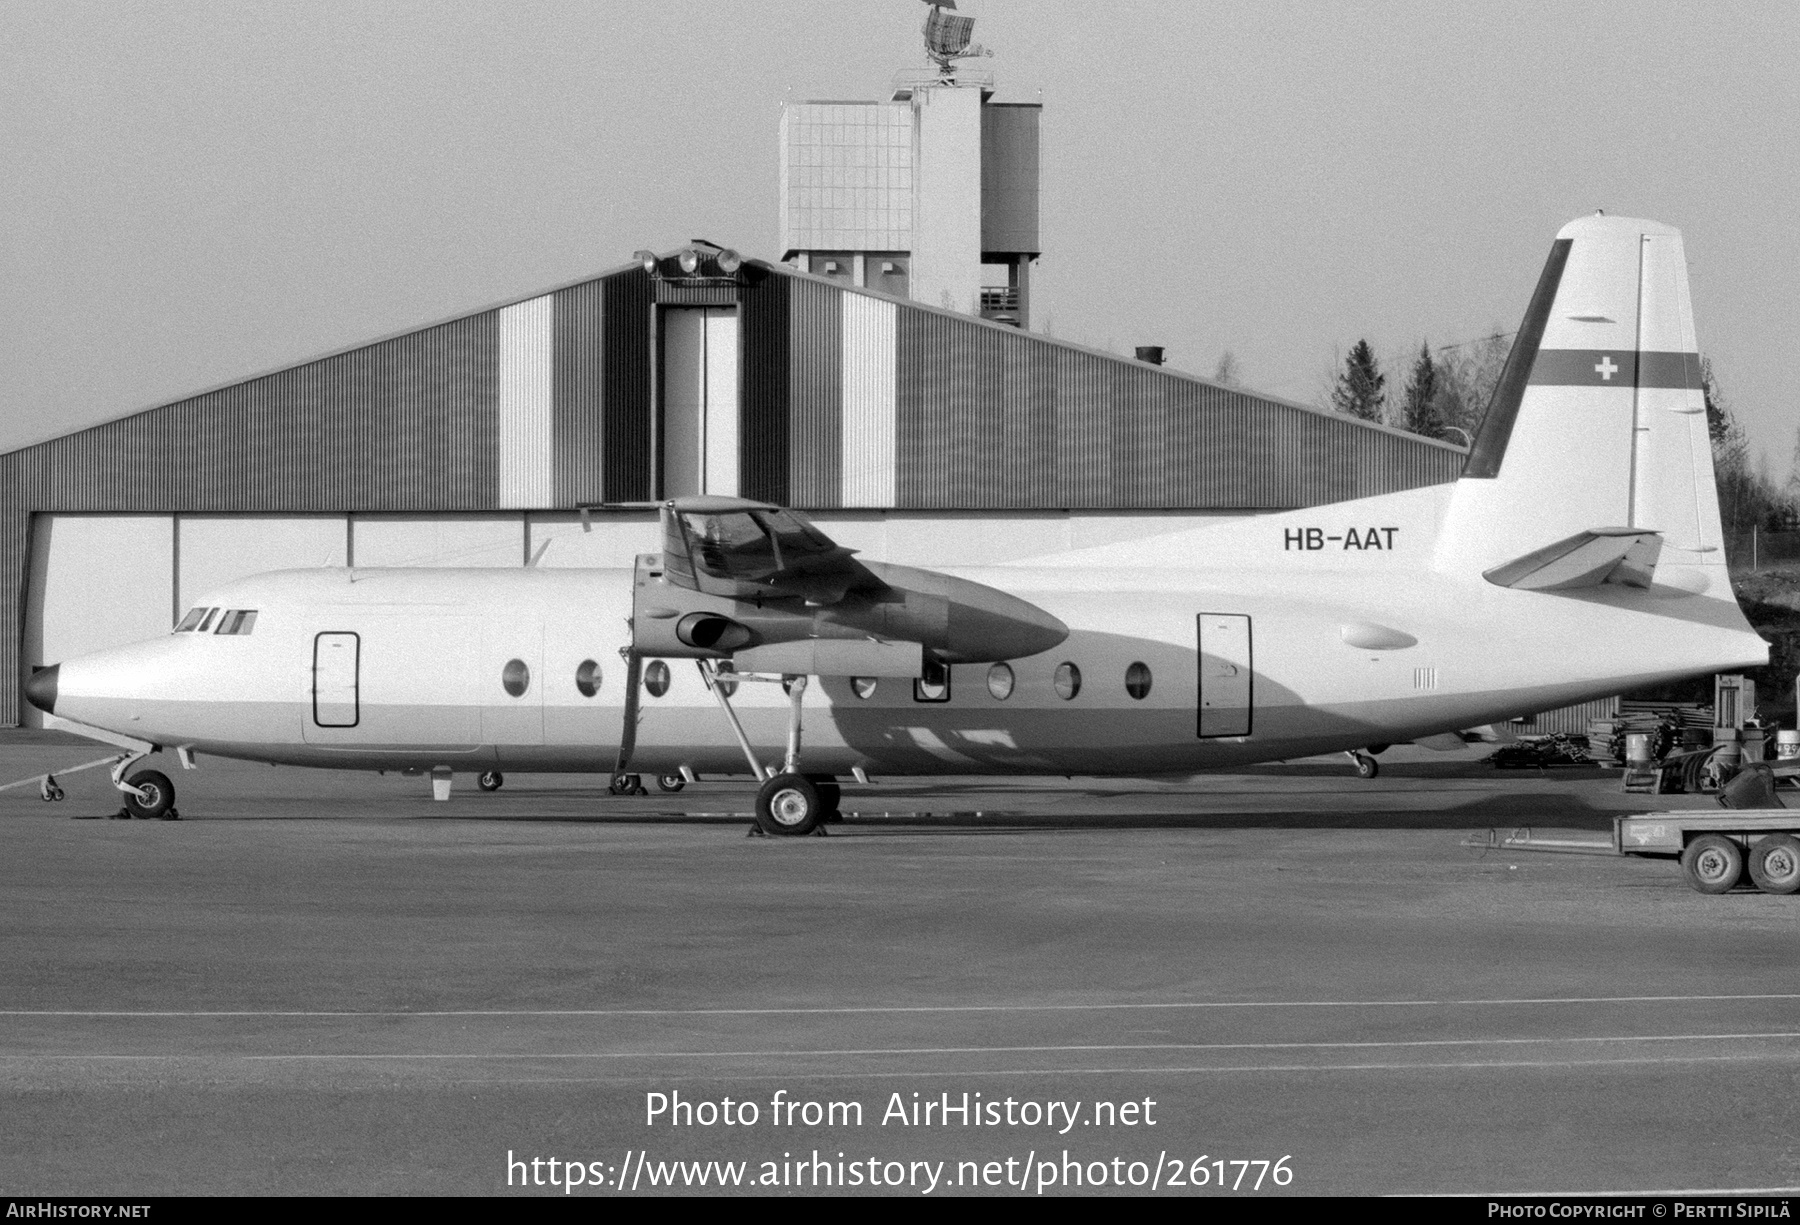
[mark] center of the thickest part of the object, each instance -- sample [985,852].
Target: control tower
[931,195]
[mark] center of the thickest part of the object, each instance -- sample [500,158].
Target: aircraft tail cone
[40,689]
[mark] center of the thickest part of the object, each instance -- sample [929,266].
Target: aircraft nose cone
[40,689]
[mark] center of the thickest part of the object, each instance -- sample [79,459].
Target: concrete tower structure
[932,195]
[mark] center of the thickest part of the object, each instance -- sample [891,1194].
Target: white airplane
[1578,556]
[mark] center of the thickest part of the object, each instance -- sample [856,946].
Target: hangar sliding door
[700,400]
[1226,688]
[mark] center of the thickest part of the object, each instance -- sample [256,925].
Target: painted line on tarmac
[896,1009]
[918,1073]
[875,1051]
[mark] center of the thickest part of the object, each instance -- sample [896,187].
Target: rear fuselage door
[1226,675]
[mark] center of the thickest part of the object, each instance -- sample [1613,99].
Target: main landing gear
[1366,765]
[788,802]
[491,780]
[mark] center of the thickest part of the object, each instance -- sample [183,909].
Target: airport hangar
[874,380]
[910,432]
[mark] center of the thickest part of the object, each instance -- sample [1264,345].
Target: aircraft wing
[1624,555]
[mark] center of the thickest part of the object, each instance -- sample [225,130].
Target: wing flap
[1622,555]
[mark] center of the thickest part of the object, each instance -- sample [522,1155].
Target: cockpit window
[237,621]
[792,533]
[750,544]
[730,544]
[192,621]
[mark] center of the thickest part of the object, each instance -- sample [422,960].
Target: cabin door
[336,677]
[1226,676]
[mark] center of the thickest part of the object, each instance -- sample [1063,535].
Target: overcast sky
[197,192]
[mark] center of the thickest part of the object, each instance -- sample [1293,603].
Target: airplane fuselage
[1164,671]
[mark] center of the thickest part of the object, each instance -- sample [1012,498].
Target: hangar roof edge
[1059,342]
[779,269]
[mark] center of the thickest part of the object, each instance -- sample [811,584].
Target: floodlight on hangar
[647,259]
[729,261]
[689,260]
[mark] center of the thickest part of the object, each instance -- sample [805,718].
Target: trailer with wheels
[1752,832]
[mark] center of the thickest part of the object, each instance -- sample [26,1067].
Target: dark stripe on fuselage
[1497,424]
[1613,368]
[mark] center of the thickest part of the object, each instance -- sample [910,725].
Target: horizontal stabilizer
[1625,555]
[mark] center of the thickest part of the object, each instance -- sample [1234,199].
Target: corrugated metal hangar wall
[825,398]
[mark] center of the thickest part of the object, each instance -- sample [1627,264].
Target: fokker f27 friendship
[1579,555]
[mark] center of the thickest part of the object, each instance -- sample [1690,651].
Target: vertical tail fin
[1599,420]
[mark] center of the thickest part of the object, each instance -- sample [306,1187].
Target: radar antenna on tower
[947,37]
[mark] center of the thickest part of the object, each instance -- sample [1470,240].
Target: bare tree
[1468,372]
[1228,371]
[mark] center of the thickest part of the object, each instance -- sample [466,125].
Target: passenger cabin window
[587,678]
[934,685]
[656,678]
[239,621]
[1067,681]
[1000,682]
[1137,680]
[191,622]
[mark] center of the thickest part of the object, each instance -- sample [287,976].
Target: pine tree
[1421,396]
[1359,385]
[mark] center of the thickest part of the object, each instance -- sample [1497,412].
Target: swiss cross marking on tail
[1606,369]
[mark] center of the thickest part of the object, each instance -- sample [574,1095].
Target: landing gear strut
[788,802]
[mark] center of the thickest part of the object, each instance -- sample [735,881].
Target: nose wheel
[491,780]
[1366,765]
